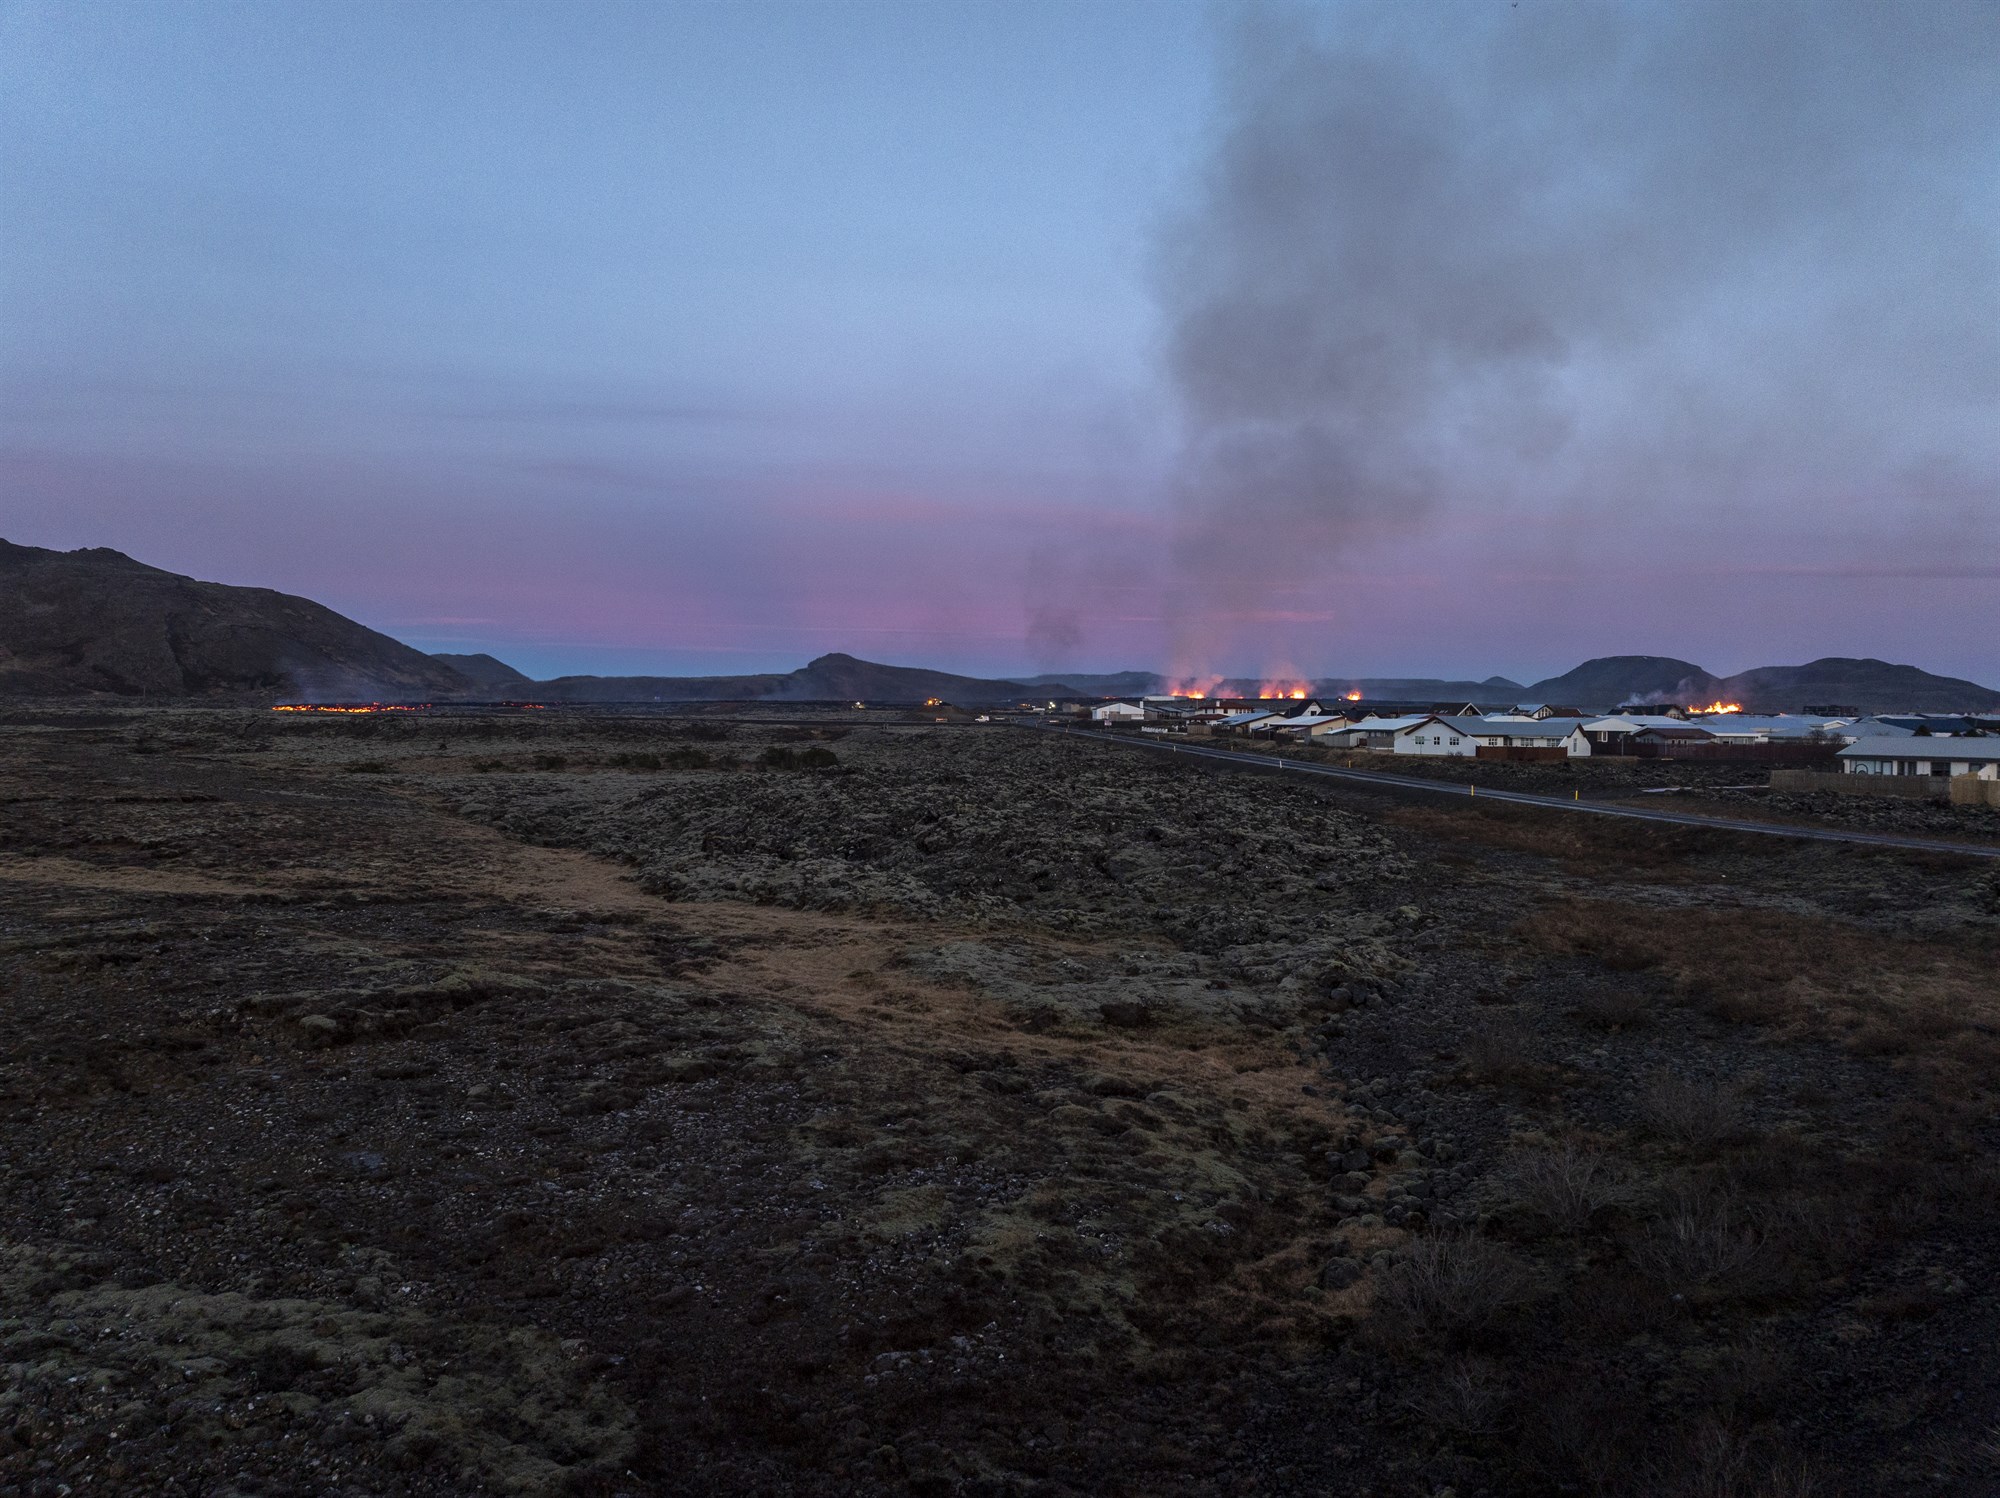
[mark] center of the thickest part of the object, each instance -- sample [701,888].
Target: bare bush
[1692,1112]
[1703,1242]
[1565,1185]
[1468,1399]
[1452,1286]
[1708,1460]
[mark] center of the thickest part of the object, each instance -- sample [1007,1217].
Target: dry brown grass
[1662,851]
[1935,1001]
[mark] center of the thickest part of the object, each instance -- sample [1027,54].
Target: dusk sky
[1443,338]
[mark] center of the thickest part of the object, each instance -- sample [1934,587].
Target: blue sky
[712,336]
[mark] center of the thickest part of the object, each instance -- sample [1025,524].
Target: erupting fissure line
[368,707]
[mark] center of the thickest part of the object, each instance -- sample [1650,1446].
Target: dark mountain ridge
[96,622]
[830,678]
[489,674]
[75,623]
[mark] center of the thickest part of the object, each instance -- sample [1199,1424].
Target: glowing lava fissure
[344,707]
[1201,688]
[1720,707]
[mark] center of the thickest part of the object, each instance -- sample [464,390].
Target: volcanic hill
[76,623]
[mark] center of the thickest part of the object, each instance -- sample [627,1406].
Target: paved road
[1385,780]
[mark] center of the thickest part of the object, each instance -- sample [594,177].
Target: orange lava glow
[1194,687]
[1294,691]
[370,707]
[1353,696]
[1721,707]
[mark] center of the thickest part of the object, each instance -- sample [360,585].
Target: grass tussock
[1450,1289]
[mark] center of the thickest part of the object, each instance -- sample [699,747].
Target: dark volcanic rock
[92,621]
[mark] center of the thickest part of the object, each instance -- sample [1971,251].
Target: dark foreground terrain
[567,1104]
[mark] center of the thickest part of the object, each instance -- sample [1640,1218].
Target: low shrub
[1451,1287]
[1466,1400]
[1565,1185]
[1694,1113]
[1703,1242]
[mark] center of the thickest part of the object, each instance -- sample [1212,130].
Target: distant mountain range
[1618,680]
[97,623]
[831,678]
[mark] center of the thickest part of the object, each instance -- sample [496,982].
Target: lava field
[587,1103]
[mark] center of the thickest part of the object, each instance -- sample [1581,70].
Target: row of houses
[1901,745]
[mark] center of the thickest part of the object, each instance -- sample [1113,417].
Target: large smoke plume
[1478,256]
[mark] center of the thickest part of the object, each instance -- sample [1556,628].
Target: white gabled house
[1923,755]
[1450,737]
[1552,732]
[1121,711]
[1370,733]
[1309,725]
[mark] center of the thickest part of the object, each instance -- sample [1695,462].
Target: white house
[1308,726]
[1371,733]
[1121,711]
[1777,728]
[1921,755]
[1565,734]
[1438,736]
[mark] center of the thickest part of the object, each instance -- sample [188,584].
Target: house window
[1454,741]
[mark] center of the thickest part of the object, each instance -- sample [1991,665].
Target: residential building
[1937,755]
[1613,735]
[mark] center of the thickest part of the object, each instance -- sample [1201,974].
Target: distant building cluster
[1901,744]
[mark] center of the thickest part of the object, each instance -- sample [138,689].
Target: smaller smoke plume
[1055,635]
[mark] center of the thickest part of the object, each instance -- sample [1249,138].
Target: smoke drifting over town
[1536,259]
